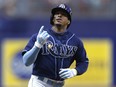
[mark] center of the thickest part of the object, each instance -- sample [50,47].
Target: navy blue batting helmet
[64,8]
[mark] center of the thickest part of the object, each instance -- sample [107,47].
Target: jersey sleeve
[81,59]
[30,44]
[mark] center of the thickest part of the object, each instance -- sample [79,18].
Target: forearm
[30,56]
[81,67]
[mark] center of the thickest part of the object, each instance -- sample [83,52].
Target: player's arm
[81,64]
[81,59]
[30,56]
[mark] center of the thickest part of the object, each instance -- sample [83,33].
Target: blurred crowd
[41,8]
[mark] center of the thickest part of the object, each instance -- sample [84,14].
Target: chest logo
[59,50]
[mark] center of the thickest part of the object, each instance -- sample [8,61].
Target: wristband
[38,45]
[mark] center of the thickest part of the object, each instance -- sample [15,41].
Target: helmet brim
[54,10]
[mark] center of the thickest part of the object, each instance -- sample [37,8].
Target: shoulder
[79,40]
[74,36]
[76,39]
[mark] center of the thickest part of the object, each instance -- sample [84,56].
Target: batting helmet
[61,7]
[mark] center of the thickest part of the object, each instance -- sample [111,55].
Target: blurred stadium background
[94,21]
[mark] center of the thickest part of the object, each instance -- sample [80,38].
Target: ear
[68,22]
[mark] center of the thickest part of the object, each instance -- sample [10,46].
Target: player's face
[61,18]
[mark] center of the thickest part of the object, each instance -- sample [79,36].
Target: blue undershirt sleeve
[30,56]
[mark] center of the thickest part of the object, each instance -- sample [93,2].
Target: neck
[59,29]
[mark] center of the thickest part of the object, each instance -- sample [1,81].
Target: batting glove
[67,73]
[41,37]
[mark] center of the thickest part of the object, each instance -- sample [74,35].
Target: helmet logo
[62,5]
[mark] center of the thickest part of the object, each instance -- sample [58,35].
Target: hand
[67,73]
[41,37]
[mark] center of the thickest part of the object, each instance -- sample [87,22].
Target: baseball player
[52,51]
